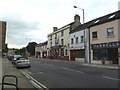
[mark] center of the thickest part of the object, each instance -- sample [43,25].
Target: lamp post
[83,13]
[84,29]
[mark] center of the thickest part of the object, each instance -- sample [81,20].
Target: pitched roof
[97,21]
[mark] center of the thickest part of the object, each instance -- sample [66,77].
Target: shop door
[113,55]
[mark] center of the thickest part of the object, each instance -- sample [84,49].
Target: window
[82,38]
[62,33]
[96,21]
[80,53]
[51,37]
[110,31]
[55,36]
[62,42]
[76,40]
[94,34]
[72,41]
[62,52]
[100,54]
[66,52]
[111,16]
[51,44]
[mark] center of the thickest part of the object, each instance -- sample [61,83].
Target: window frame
[93,36]
[110,33]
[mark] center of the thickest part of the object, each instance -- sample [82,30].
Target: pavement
[9,69]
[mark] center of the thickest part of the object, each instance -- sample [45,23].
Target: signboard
[106,45]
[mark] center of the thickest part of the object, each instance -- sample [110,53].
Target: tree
[31,48]
[21,51]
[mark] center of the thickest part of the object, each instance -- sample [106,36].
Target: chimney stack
[55,29]
[77,19]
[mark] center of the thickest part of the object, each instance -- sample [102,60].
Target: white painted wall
[80,44]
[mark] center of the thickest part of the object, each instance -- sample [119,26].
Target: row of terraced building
[92,42]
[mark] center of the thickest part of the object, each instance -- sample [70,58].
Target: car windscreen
[21,58]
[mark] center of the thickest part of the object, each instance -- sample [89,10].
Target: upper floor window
[55,36]
[82,38]
[72,41]
[51,44]
[51,37]
[76,40]
[110,31]
[62,33]
[94,34]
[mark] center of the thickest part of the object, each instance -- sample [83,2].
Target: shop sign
[106,45]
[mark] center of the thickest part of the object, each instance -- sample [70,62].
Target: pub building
[105,39]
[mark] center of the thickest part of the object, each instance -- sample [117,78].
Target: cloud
[35,19]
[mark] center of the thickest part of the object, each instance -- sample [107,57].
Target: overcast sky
[33,20]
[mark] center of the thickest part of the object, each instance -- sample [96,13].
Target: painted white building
[58,40]
[77,46]
[79,43]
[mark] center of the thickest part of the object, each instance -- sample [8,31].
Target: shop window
[94,34]
[100,54]
[66,52]
[80,54]
[62,52]
[110,31]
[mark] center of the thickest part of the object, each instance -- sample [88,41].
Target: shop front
[107,52]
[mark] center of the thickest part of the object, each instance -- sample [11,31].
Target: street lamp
[84,28]
[83,13]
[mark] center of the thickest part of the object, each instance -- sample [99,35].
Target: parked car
[22,62]
[15,58]
[10,57]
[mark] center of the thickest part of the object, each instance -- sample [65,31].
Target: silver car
[15,58]
[22,62]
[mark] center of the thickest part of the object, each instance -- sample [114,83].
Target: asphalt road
[67,74]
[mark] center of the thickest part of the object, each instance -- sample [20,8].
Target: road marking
[110,78]
[34,80]
[72,70]
[37,86]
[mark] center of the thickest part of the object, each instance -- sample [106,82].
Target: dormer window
[111,16]
[96,21]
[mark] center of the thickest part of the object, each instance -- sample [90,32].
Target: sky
[32,20]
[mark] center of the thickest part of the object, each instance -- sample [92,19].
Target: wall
[102,32]
[74,35]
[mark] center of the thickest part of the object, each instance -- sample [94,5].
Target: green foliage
[21,51]
[31,48]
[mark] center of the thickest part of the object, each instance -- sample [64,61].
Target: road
[68,74]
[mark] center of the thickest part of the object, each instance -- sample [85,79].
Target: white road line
[110,78]
[32,80]
[72,70]
[37,86]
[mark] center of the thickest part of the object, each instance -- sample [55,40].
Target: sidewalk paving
[9,69]
[112,66]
